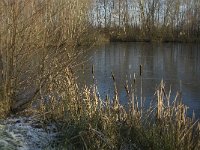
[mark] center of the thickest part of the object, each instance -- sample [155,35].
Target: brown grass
[39,44]
[88,122]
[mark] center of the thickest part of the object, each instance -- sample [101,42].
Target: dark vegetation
[40,42]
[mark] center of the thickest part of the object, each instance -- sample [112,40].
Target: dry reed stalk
[166,127]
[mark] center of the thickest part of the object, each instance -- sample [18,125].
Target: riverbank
[40,44]
[77,118]
[156,36]
[87,121]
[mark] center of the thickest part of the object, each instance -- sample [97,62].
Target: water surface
[177,64]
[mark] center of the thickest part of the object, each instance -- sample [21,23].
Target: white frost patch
[24,134]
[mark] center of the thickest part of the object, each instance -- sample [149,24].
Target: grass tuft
[88,122]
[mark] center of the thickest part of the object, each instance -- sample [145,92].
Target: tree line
[164,20]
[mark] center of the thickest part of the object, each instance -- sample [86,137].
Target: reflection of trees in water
[172,62]
[166,60]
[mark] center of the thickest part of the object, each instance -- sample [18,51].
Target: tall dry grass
[39,43]
[88,122]
[38,39]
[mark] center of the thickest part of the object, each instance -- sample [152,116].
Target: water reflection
[171,62]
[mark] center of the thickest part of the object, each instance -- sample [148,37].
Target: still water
[177,64]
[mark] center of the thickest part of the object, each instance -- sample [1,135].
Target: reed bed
[88,122]
[40,41]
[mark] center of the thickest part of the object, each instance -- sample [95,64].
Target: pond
[178,64]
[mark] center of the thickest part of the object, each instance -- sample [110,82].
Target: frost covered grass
[40,42]
[88,122]
[23,133]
